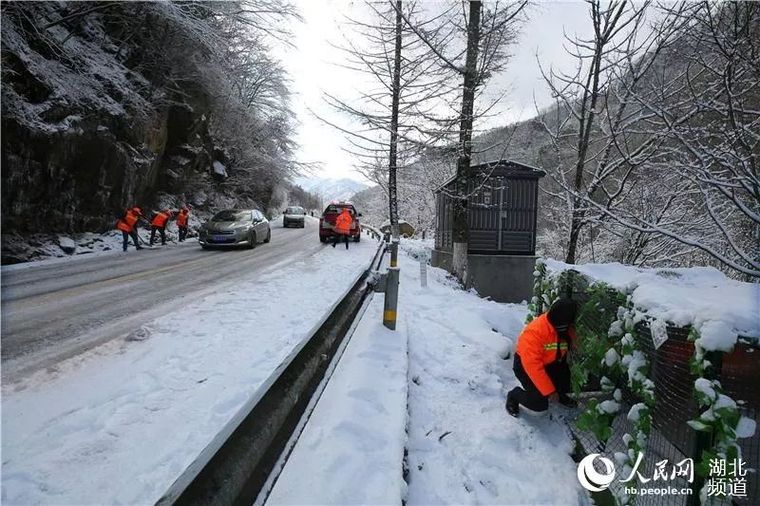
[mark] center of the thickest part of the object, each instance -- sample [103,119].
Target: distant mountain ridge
[331,188]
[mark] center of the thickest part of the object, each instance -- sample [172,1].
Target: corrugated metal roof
[481,166]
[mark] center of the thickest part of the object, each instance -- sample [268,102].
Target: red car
[327,221]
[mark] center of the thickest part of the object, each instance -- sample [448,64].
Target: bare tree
[394,115]
[716,151]
[589,113]
[678,114]
[487,33]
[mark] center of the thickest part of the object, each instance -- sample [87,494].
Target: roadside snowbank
[352,449]
[20,250]
[700,296]
[119,426]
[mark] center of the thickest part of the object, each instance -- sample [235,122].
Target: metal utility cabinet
[502,206]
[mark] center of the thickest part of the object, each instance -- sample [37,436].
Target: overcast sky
[312,67]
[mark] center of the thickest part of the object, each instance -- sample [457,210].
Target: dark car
[330,214]
[235,227]
[293,215]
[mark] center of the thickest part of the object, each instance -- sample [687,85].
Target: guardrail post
[391,287]
[391,298]
[423,271]
[394,253]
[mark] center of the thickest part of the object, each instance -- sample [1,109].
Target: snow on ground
[120,427]
[683,296]
[45,250]
[49,248]
[352,449]
[462,446]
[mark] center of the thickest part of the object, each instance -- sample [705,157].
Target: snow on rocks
[219,169]
[45,247]
[718,307]
[121,423]
[67,245]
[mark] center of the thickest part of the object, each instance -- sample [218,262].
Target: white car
[293,215]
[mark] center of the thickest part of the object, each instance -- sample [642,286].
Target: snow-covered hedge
[718,311]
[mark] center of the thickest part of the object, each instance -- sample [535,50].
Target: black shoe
[567,401]
[513,407]
[138,248]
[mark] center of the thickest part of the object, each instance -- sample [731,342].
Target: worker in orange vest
[540,362]
[158,223]
[182,218]
[128,226]
[343,226]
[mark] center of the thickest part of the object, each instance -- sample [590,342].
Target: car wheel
[269,236]
[252,240]
[204,246]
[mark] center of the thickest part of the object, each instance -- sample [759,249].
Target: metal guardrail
[235,466]
[373,231]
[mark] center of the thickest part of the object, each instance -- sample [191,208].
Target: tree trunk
[575,231]
[589,102]
[393,152]
[461,232]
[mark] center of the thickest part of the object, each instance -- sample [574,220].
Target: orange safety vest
[538,346]
[160,219]
[343,222]
[127,223]
[182,219]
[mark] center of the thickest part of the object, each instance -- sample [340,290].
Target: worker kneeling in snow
[541,360]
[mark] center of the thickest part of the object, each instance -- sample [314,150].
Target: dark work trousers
[161,230]
[529,396]
[337,237]
[182,233]
[125,239]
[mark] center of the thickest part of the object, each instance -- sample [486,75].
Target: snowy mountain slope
[94,119]
[331,188]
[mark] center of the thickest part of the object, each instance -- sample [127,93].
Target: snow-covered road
[55,309]
[119,423]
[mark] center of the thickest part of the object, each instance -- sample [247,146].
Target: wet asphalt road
[56,311]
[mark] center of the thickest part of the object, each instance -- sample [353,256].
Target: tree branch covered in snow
[661,129]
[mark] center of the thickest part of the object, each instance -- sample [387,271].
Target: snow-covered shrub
[607,327]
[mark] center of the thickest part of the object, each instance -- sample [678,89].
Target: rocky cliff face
[85,133]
